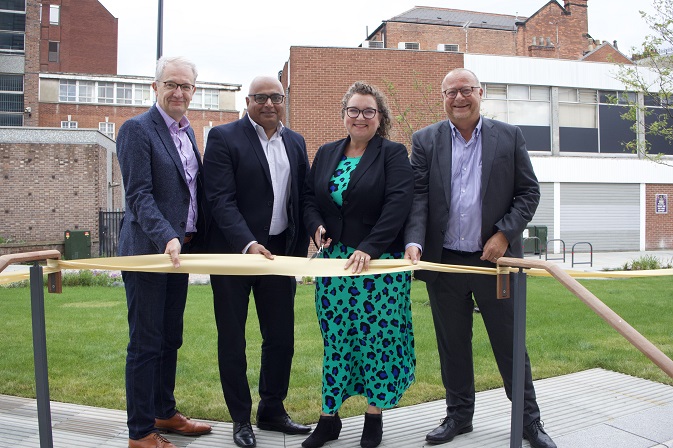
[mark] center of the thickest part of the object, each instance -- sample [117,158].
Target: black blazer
[239,193]
[375,204]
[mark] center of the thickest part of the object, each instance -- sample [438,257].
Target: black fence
[108,225]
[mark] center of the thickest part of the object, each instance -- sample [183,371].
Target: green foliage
[653,76]
[87,333]
[646,262]
[415,115]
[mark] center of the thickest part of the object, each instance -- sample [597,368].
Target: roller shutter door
[605,215]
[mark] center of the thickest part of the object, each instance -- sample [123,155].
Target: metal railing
[591,254]
[108,237]
[563,250]
[506,289]
[39,332]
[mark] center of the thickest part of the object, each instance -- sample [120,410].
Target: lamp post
[160,29]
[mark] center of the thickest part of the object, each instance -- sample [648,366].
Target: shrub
[646,262]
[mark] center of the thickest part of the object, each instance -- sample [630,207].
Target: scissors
[322,245]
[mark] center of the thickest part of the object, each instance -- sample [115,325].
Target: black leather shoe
[537,436]
[243,435]
[447,430]
[283,423]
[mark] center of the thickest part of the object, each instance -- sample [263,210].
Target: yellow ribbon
[239,264]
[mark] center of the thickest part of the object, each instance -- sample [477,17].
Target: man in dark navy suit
[161,169]
[254,171]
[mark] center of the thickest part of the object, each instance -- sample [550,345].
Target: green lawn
[87,335]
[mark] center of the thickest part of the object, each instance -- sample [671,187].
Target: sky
[234,41]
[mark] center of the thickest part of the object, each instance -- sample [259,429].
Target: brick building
[58,69]
[553,31]
[560,95]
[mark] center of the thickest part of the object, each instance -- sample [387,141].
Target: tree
[653,75]
[427,109]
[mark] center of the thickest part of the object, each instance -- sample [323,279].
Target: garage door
[605,215]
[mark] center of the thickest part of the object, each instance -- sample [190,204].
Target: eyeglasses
[186,88]
[260,98]
[367,114]
[465,91]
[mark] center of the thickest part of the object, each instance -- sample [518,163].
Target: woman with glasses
[358,196]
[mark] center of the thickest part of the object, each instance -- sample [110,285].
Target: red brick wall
[568,26]
[479,40]
[88,116]
[50,188]
[87,34]
[608,54]
[658,227]
[319,77]
[31,79]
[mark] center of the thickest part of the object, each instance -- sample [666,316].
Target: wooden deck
[591,409]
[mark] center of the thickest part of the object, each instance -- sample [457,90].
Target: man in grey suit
[475,192]
[161,169]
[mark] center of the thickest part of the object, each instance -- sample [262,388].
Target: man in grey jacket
[475,192]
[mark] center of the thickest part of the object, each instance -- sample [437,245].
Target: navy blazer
[509,189]
[375,204]
[239,192]
[157,196]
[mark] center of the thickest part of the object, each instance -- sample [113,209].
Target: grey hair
[176,60]
[363,88]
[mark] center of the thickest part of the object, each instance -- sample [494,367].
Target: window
[11,102]
[13,5]
[10,21]
[107,129]
[211,99]
[54,14]
[86,91]
[206,130]
[68,125]
[67,90]
[53,51]
[517,104]
[11,83]
[11,41]
[577,108]
[124,93]
[106,92]
[142,94]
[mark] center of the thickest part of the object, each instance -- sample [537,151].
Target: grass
[87,336]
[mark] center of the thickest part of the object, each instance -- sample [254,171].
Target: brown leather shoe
[180,424]
[153,440]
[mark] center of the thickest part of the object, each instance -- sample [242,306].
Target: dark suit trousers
[274,301]
[451,300]
[156,304]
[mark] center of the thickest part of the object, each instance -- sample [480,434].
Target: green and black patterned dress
[366,326]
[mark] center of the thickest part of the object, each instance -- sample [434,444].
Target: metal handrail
[39,332]
[591,254]
[518,292]
[546,251]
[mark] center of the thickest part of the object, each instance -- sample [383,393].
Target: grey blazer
[157,196]
[509,189]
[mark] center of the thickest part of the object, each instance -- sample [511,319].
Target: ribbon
[254,264]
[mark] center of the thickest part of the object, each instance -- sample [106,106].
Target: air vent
[409,46]
[448,47]
[372,44]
